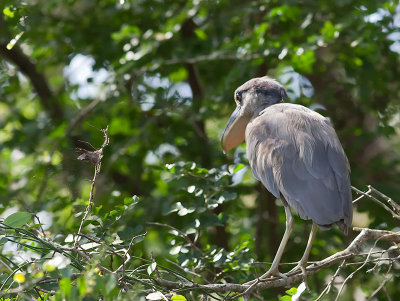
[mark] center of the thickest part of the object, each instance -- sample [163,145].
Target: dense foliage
[160,75]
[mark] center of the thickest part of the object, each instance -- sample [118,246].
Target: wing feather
[295,152]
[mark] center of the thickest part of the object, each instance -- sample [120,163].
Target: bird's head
[251,98]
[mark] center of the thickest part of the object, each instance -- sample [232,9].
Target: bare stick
[353,250]
[328,287]
[379,288]
[128,258]
[95,157]
[395,206]
[367,194]
[365,262]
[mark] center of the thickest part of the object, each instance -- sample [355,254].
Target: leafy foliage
[161,74]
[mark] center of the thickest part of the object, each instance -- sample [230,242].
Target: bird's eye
[238,97]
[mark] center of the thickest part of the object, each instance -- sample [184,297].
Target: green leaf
[200,34]
[66,272]
[65,286]
[59,131]
[178,298]
[82,286]
[292,291]
[126,32]
[111,283]
[179,75]
[238,167]
[3,239]
[131,201]
[17,219]
[285,298]
[8,12]
[304,61]
[114,213]
[330,31]
[229,196]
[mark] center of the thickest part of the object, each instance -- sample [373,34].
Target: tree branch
[39,82]
[353,250]
[16,56]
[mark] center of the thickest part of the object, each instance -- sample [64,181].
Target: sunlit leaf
[217,257]
[131,201]
[8,12]
[292,291]
[14,41]
[178,76]
[17,219]
[151,268]
[65,286]
[200,34]
[156,296]
[238,167]
[82,286]
[59,261]
[178,298]
[19,277]
[175,250]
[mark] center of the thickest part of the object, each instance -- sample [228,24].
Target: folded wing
[295,152]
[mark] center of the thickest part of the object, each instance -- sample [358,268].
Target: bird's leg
[273,270]
[302,264]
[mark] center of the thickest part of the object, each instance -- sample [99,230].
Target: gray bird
[296,154]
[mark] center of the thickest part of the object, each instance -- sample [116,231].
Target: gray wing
[295,151]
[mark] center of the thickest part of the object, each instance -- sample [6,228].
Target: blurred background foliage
[161,74]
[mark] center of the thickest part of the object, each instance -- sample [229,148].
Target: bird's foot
[269,274]
[300,266]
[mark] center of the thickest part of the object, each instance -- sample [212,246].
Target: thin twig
[388,297]
[383,283]
[249,288]
[354,250]
[156,268]
[6,265]
[40,226]
[126,254]
[350,252]
[97,167]
[328,287]
[187,238]
[185,270]
[366,194]
[392,203]
[365,262]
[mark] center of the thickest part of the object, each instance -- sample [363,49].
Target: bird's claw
[271,274]
[266,275]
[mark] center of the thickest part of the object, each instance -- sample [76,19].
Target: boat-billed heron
[296,154]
